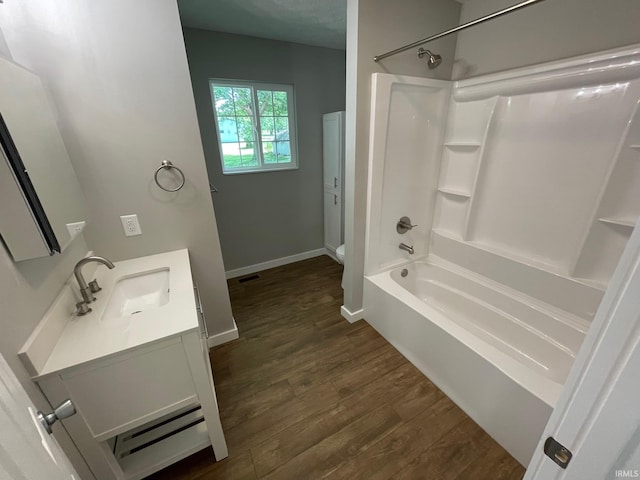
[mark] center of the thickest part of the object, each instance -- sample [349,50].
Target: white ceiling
[321,23]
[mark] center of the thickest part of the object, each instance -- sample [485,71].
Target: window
[256,126]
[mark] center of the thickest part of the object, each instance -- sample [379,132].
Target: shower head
[433,59]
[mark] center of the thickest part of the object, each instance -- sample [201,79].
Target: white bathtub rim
[543,388]
[574,322]
[571,320]
[514,319]
[488,306]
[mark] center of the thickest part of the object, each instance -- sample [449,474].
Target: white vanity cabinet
[124,405]
[141,384]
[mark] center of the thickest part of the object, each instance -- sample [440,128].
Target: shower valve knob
[404,225]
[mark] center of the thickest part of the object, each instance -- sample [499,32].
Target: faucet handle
[82,308]
[94,287]
[404,225]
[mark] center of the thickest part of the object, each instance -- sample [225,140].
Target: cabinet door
[129,390]
[332,221]
[332,149]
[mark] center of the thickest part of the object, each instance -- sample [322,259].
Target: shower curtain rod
[464,26]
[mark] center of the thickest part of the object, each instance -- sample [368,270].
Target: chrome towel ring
[168,165]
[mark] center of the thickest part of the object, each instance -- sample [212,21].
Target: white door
[597,417]
[332,220]
[27,451]
[332,149]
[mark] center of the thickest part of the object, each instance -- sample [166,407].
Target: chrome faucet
[406,248]
[87,291]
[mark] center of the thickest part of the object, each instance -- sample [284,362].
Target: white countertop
[91,337]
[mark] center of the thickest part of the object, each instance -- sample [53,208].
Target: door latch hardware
[557,452]
[62,411]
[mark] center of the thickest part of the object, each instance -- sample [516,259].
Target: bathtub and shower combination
[501,358]
[525,186]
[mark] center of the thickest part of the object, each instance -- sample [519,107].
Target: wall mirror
[43,208]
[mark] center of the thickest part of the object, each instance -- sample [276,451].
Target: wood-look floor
[303,394]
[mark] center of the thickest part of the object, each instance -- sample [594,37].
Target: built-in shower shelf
[622,222]
[454,192]
[591,282]
[469,145]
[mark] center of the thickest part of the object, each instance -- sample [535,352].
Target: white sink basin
[137,293]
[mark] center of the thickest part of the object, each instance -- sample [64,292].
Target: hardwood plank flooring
[303,394]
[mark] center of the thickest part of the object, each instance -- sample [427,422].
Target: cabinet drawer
[127,391]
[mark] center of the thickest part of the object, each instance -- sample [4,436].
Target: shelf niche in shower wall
[451,212]
[458,168]
[467,127]
[467,122]
[455,193]
[616,214]
[620,222]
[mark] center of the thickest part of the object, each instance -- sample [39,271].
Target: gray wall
[117,72]
[374,27]
[544,32]
[265,216]
[123,95]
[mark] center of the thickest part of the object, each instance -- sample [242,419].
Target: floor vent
[248,278]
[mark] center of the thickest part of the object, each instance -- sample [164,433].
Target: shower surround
[525,186]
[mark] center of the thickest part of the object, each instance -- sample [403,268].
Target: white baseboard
[352,316]
[224,337]
[332,254]
[278,262]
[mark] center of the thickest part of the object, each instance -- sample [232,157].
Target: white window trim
[293,137]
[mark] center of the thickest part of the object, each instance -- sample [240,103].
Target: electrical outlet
[75,228]
[131,225]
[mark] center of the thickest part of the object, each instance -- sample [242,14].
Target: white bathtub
[501,356]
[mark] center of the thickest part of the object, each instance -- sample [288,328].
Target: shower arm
[464,26]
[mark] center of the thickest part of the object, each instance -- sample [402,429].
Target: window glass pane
[269,152]
[245,129]
[223,101]
[249,157]
[227,129]
[266,102]
[253,126]
[267,126]
[231,155]
[280,108]
[284,152]
[243,101]
[282,128]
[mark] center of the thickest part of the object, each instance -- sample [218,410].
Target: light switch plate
[130,225]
